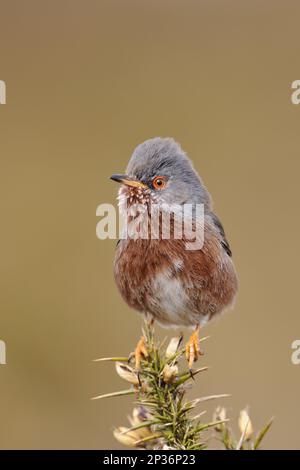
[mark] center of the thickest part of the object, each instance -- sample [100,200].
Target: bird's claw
[192,350]
[140,352]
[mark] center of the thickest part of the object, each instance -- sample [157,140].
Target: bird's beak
[124,179]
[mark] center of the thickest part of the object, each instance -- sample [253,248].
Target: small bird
[160,277]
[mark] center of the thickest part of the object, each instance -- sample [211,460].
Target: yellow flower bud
[219,415]
[125,438]
[245,424]
[169,373]
[127,373]
[139,415]
[173,346]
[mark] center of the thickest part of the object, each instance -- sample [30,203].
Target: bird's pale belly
[176,286]
[169,302]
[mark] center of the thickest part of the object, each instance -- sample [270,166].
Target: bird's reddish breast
[201,283]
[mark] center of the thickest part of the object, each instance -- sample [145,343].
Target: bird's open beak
[124,179]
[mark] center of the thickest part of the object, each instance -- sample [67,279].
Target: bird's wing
[219,226]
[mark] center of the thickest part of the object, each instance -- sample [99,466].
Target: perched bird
[160,277]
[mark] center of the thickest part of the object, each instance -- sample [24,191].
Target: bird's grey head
[160,168]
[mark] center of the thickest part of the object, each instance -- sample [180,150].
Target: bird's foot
[140,352]
[192,348]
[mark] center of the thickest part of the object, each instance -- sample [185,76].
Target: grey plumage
[164,156]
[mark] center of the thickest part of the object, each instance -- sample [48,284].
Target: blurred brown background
[86,82]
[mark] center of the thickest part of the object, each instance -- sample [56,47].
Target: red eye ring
[159,182]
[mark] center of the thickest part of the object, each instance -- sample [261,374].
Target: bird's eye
[159,182]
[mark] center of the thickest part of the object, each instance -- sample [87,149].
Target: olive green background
[86,82]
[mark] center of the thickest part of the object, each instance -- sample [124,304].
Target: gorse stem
[163,417]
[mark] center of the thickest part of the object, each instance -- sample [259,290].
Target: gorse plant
[163,418]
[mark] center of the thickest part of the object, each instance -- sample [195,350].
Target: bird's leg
[192,348]
[150,328]
[141,350]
